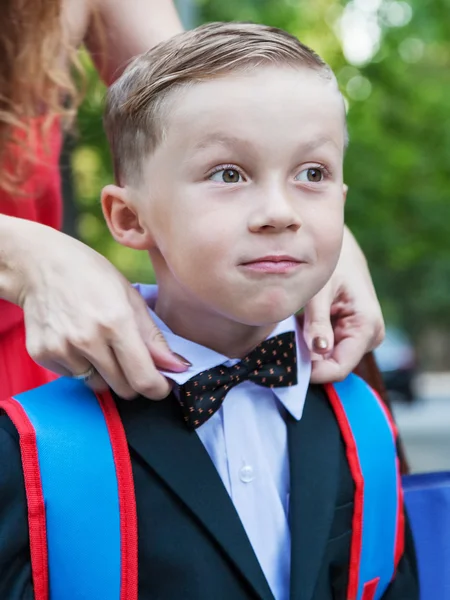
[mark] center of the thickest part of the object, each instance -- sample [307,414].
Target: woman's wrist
[17,253]
[351,248]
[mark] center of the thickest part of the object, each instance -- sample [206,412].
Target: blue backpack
[81,502]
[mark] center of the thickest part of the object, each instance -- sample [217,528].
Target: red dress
[42,202]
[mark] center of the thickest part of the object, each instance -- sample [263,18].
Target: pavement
[425,424]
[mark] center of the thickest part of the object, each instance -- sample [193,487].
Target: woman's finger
[154,340]
[69,360]
[135,361]
[317,328]
[108,373]
[343,359]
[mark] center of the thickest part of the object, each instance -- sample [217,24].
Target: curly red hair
[36,80]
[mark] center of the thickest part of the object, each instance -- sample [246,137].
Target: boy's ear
[122,218]
[345,191]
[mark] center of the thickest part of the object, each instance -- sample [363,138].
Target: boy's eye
[312,175]
[227,176]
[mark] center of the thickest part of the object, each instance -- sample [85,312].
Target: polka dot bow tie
[272,364]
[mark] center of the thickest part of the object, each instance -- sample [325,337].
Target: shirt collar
[202,359]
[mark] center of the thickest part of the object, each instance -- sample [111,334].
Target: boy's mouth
[273,264]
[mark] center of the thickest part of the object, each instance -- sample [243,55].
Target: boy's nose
[275,213]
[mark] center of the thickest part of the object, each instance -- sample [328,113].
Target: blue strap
[377,456]
[80,491]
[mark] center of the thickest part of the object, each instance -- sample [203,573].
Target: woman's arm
[11,239]
[79,310]
[119,30]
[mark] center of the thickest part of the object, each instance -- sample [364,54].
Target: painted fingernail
[182,360]
[320,343]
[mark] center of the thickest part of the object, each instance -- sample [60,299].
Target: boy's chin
[263,314]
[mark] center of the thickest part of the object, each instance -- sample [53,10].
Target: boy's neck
[209,329]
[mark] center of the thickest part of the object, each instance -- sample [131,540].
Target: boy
[243,489]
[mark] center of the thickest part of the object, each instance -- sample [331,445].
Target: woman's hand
[343,321]
[80,311]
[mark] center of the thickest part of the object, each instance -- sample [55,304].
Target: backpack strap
[80,492]
[369,436]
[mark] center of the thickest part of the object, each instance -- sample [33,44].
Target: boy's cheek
[328,232]
[207,242]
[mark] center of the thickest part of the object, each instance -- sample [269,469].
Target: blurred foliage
[398,162]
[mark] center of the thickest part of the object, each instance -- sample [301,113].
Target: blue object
[427,499]
[80,491]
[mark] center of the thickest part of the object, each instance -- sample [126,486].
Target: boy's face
[241,204]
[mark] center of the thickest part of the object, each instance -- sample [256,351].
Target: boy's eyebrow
[230,140]
[223,139]
[318,143]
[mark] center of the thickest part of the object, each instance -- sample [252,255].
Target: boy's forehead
[234,109]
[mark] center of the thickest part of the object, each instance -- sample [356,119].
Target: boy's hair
[134,113]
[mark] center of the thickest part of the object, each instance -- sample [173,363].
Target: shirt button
[247,474]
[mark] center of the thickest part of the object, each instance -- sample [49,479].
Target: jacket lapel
[156,431]
[314,469]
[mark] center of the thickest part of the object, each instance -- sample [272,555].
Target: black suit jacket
[192,545]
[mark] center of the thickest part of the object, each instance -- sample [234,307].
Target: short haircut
[134,114]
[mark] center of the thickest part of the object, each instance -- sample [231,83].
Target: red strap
[127,500]
[370,588]
[400,534]
[355,469]
[35,497]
